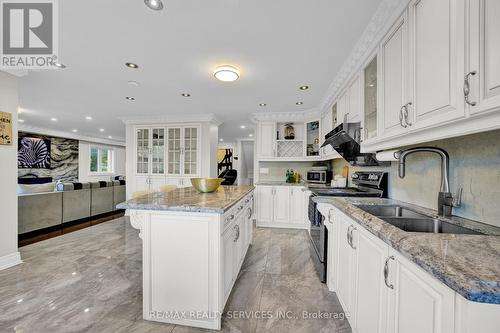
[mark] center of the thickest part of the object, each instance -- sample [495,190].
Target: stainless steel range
[366,184]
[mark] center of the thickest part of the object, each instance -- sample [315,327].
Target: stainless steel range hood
[345,140]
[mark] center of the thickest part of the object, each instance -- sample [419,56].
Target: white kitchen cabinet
[265,204]
[483,50]
[281,199]
[371,292]
[355,99]
[297,205]
[281,206]
[228,254]
[345,267]
[394,62]
[266,140]
[183,151]
[436,46]
[417,302]
[342,107]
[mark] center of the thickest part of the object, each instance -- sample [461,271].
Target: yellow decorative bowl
[206,185]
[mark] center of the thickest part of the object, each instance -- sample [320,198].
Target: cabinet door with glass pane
[174,151]
[142,157]
[190,150]
[158,151]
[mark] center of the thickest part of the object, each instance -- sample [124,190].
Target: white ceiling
[278,45]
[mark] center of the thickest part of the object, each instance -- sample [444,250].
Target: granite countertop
[188,199]
[468,264]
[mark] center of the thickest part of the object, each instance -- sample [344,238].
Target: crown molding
[68,135]
[174,118]
[385,16]
[285,116]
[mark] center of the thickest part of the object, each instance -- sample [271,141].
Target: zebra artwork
[33,153]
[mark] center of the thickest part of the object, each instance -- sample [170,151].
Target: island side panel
[181,268]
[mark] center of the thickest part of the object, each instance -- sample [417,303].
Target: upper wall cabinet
[266,140]
[394,62]
[482,82]
[354,99]
[436,38]
[370,123]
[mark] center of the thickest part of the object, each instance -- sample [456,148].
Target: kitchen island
[193,247]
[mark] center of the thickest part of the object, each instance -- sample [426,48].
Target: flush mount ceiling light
[130,98]
[88,117]
[304,87]
[227,73]
[185,95]
[53,119]
[299,103]
[131,65]
[154,4]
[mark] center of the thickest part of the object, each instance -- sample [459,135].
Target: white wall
[9,254]
[84,162]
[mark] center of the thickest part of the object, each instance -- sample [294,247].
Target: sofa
[52,204]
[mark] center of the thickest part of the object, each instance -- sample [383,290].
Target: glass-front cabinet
[171,151]
[312,138]
[174,151]
[370,100]
[142,151]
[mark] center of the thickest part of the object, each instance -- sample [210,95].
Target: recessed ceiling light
[110,137]
[371,85]
[101,129]
[21,120]
[74,130]
[53,119]
[61,66]
[221,139]
[130,98]
[154,4]
[133,83]
[250,135]
[299,103]
[243,127]
[88,117]
[185,95]
[304,87]
[262,104]
[131,65]
[226,73]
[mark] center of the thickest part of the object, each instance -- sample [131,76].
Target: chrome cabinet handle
[405,114]
[352,244]
[401,116]
[386,272]
[249,212]
[330,215]
[237,229]
[349,235]
[467,88]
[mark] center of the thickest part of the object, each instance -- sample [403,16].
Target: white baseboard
[10,260]
[283,225]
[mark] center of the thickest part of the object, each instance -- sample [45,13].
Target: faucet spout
[445,163]
[445,198]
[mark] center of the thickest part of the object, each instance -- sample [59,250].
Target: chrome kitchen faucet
[446,200]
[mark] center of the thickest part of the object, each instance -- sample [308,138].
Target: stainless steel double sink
[411,221]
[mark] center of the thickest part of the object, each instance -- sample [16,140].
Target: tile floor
[91,281]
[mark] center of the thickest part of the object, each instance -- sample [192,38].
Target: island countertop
[188,199]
